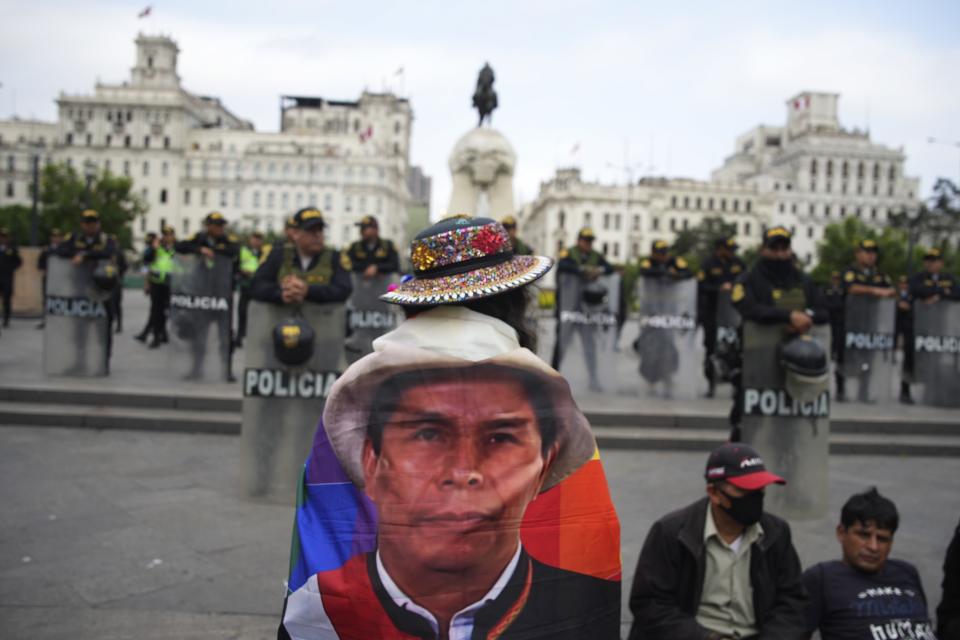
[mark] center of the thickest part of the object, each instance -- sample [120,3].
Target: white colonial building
[803,176]
[189,155]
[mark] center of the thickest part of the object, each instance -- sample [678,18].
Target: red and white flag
[365,135]
[146,11]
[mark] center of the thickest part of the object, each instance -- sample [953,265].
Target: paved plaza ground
[114,534]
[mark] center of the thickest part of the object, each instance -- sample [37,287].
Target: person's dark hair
[510,307]
[870,506]
[388,395]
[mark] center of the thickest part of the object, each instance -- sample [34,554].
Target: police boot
[841,389]
[155,343]
[141,337]
[905,396]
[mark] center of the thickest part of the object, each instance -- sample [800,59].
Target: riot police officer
[304,270]
[716,274]
[861,279]
[84,247]
[588,265]
[212,241]
[925,287]
[372,255]
[775,291]
[160,265]
[250,256]
[520,248]
[56,237]
[10,261]
[662,263]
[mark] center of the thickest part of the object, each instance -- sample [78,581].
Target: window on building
[826,211]
[362,204]
[813,167]
[616,222]
[146,168]
[126,168]
[108,140]
[685,224]
[616,249]
[223,198]
[146,142]
[736,227]
[285,200]
[237,198]
[697,204]
[780,207]
[829,168]
[844,169]
[673,224]
[347,203]
[163,196]
[746,229]
[145,194]
[673,201]
[69,139]
[605,248]
[126,141]
[587,219]
[875,188]
[286,168]
[10,190]
[843,211]
[143,224]
[186,196]
[812,209]
[748,205]
[709,204]
[776,186]
[271,168]
[736,205]
[256,199]
[890,190]
[686,202]
[723,204]
[106,166]
[793,208]
[813,185]
[186,226]
[298,200]
[655,223]
[636,222]
[89,139]
[860,170]
[606,221]
[561,219]
[166,142]
[269,199]
[892,175]
[205,169]
[876,171]
[203,197]
[164,169]
[327,201]
[129,116]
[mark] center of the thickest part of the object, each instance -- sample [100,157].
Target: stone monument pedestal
[481,166]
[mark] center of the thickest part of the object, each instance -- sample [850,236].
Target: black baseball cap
[933,254]
[659,246]
[308,218]
[586,234]
[777,235]
[90,215]
[368,221]
[741,466]
[869,245]
[215,217]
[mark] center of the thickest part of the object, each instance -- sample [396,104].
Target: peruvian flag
[801,103]
[146,12]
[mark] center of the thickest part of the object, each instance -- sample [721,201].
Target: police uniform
[228,246]
[672,267]
[854,275]
[10,261]
[161,265]
[834,296]
[925,285]
[326,274]
[93,248]
[768,294]
[520,248]
[573,260]
[713,274]
[249,263]
[381,253]
[42,261]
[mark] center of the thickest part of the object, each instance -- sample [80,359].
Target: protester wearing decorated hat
[520,247]
[862,278]
[721,567]
[451,446]
[716,274]
[661,263]
[372,255]
[304,269]
[10,261]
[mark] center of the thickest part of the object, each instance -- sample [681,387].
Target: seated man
[866,595]
[720,567]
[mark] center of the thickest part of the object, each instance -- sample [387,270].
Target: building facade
[188,154]
[804,175]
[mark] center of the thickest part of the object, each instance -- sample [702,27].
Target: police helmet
[106,277]
[805,366]
[293,341]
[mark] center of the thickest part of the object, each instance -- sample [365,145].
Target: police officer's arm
[149,255]
[228,247]
[68,248]
[681,269]
[339,287]
[919,289]
[17,260]
[646,267]
[391,264]
[192,245]
[606,266]
[750,302]
[265,287]
[108,251]
[815,302]
[567,264]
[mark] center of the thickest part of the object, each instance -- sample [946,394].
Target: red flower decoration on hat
[488,241]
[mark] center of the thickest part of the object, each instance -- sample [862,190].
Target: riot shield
[76,336]
[368,317]
[868,347]
[726,356]
[936,365]
[282,404]
[792,437]
[587,331]
[201,309]
[666,344]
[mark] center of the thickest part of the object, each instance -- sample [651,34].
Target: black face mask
[746,509]
[778,267]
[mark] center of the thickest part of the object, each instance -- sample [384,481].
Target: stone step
[616,437]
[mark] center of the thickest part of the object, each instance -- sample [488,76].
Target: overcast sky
[662,87]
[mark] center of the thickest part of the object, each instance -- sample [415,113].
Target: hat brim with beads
[460,259]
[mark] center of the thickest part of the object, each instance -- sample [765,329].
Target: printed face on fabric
[452,461]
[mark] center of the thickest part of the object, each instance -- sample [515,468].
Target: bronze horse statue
[484,97]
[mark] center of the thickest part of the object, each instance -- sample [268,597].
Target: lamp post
[35,197]
[89,173]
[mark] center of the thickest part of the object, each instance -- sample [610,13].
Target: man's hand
[591,273]
[371,271]
[800,322]
[904,305]
[206,252]
[932,299]
[77,259]
[886,292]
[293,290]
[726,286]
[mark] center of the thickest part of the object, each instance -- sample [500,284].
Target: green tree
[16,217]
[840,240]
[62,193]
